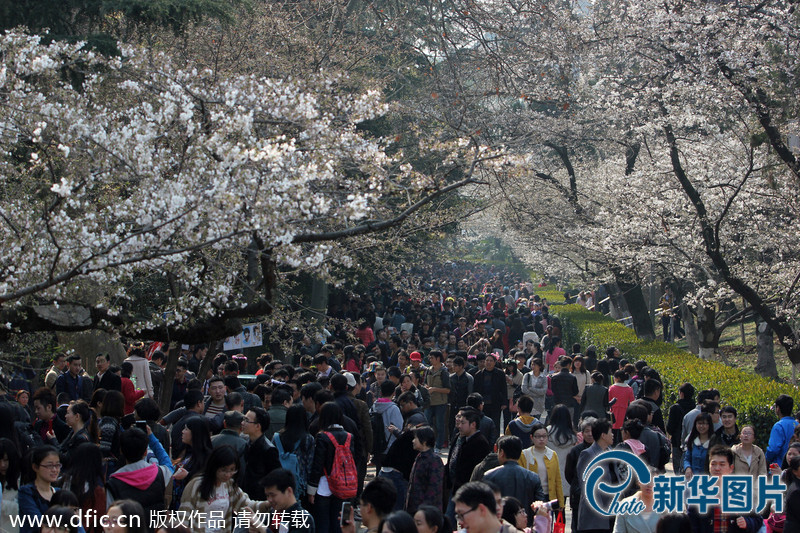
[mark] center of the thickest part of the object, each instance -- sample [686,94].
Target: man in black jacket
[565,386]
[105,379]
[468,448]
[261,456]
[491,384]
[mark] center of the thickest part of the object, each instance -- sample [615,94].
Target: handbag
[775,522]
[558,525]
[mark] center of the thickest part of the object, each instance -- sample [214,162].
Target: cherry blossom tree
[130,172]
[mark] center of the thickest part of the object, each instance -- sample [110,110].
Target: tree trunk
[689,324]
[631,291]
[319,301]
[765,364]
[169,376]
[709,341]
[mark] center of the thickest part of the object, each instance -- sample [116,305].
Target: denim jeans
[400,484]
[436,415]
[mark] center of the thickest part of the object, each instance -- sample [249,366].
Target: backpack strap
[277,442]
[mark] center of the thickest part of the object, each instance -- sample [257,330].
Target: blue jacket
[695,458]
[779,439]
[31,504]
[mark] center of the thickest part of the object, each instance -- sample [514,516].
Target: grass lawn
[743,356]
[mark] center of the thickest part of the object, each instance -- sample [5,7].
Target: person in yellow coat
[543,461]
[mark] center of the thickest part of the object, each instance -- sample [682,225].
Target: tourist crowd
[454,385]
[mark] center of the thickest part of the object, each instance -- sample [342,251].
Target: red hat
[415,356]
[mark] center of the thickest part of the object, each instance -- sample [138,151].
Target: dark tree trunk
[631,291]
[765,364]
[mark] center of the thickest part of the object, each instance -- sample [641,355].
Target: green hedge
[751,395]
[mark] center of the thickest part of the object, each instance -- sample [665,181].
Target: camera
[552,505]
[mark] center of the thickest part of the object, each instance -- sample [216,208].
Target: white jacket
[141,369]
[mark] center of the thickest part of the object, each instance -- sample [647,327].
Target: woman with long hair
[110,430]
[197,439]
[554,352]
[295,439]
[513,381]
[352,358]
[62,515]
[129,391]
[82,429]
[85,478]
[327,505]
[96,403]
[561,437]
[34,498]
[215,491]
[9,483]
[696,452]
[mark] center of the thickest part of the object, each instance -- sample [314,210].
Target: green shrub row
[751,395]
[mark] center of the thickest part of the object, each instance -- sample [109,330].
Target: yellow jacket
[551,466]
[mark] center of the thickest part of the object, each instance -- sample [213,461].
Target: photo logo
[599,468]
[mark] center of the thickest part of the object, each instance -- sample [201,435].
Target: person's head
[490,361]
[44,404]
[133,445]
[728,417]
[74,364]
[475,400]
[196,434]
[612,351]
[652,389]
[126,516]
[475,507]
[330,414]
[525,404]
[429,519]
[632,429]
[387,388]
[712,408]
[509,448]
[377,500]
[220,468]
[193,401]
[61,514]
[702,427]
[255,422]
[537,366]
[784,405]
[436,357]
[321,362]
[720,460]
[514,513]
[216,389]
[181,369]
[279,486]
[407,402]
[46,463]
[126,369]
[793,451]
[9,464]
[620,376]
[102,362]
[686,391]
[539,436]
[747,435]
[467,421]
[398,522]
[147,409]
[78,414]
[602,434]
[60,361]
[585,427]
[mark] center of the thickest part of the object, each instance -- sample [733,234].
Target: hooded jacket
[391,416]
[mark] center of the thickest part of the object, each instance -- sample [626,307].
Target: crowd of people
[455,386]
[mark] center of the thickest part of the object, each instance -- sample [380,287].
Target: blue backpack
[290,462]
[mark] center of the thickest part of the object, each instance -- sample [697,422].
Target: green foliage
[751,395]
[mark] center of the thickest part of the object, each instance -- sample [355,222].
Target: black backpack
[378,432]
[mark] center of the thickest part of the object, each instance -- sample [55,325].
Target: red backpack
[343,477]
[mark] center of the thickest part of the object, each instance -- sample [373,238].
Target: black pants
[493,411]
